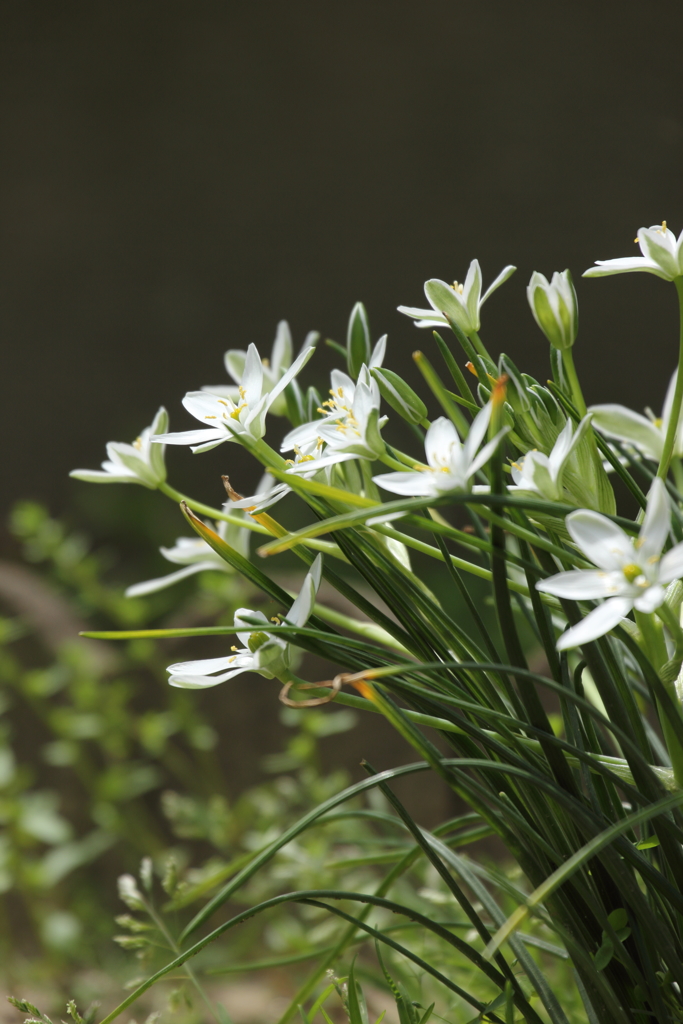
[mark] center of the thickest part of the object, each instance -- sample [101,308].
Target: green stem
[653,638]
[479,345]
[570,370]
[247,522]
[655,649]
[393,463]
[208,510]
[675,414]
[175,948]
[677,469]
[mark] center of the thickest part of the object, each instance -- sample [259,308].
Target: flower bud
[555,307]
[399,395]
[517,390]
[358,348]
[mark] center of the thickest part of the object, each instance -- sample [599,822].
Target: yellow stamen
[632,572]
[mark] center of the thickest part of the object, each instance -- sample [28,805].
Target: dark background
[176,177]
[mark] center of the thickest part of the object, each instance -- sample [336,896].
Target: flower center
[257,640]
[632,572]
[457,288]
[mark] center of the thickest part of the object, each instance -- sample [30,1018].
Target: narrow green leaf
[576,861]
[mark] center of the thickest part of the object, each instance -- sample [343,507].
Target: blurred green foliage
[103,765]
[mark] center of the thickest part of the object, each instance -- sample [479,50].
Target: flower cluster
[551,457]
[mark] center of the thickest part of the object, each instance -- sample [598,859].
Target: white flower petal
[602,541]
[650,598]
[223,391]
[191,436]
[625,425]
[289,375]
[252,377]
[561,449]
[441,436]
[98,476]
[472,292]
[656,524]
[421,314]
[505,273]
[671,565]
[281,356]
[300,611]
[625,265]
[204,666]
[186,682]
[583,584]
[477,433]
[152,586]
[331,458]
[339,379]
[445,300]
[300,436]
[412,484]
[596,624]
[378,352]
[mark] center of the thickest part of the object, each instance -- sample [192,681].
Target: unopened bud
[499,389]
[555,307]
[358,348]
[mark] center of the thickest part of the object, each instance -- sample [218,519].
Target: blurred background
[176,178]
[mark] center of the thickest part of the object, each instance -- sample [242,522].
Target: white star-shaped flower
[350,426]
[141,462]
[262,652]
[225,418]
[195,555]
[273,368]
[462,302]
[646,433]
[662,255]
[537,473]
[451,464]
[630,573]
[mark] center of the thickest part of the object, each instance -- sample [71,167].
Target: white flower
[537,473]
[646,433]
[451,464]
[462,302]
[350,426]
[630,574]
[261,651]
[226,418]
[273,368]
[662,255]
[138,463]
[555,307]
[195,555]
